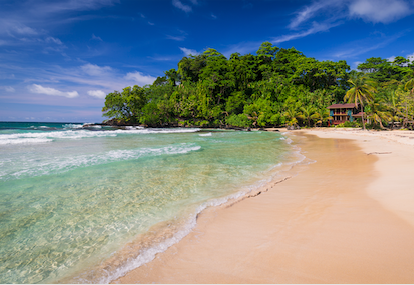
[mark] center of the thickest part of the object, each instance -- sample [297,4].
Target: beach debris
[387,152]
[257,193]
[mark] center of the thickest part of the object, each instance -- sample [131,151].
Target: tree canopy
[273,87]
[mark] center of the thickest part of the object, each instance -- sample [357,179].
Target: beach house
[343,112]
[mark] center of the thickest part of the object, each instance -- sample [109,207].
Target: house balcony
[337,122]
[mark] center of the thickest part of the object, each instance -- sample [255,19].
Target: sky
[58,59]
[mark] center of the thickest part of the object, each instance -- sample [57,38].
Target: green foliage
[239,120]
[348,124]
[151,115]
[273,87]
[126,105]
[362,92]
[260,112]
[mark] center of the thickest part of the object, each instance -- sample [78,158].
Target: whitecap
[79,134]
[45,166]
[72,126]
[205,135]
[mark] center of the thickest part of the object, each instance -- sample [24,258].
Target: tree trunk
[362,113]
[380,122]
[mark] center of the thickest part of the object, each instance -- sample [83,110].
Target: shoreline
[161,236]
[238,243]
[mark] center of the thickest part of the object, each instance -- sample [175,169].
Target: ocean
[87,205]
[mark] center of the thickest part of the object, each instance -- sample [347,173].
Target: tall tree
[362,92]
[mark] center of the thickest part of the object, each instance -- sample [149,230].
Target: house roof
[358,115]
[344,106]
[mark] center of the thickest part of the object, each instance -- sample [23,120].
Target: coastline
[334,222]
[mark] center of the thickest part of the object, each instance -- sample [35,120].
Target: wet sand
[337,221]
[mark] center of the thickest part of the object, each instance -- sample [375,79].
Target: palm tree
[391,99]
[292,114]
[378,114]
[409,85]
[322,115]
[361,92]
[307,113]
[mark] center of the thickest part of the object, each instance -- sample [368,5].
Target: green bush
[372,126]
[239,120]
[349,124]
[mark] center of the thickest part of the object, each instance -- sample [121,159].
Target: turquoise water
[74,199]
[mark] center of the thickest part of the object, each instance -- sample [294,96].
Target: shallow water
[73,198]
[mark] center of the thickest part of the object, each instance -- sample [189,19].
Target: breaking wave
[44,137]
[37,167]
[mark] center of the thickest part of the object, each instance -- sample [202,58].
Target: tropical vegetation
[273,87]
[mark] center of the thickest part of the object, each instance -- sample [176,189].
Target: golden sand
[348,218]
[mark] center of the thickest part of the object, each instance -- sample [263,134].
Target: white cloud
[309,12]
[140,78]
[95,70]
[53,40]
[376,11]
[177,38]
[213,16]
[242,48]
[96,38]
[188,51]
[39,89]
[316,28]
[391,58]
[162,58]
[97,93]
[57,7]
[356,63]
[353,49]
[379,11]
[410,57]
[8,88]
[152,24]
[181,6]
[21,29]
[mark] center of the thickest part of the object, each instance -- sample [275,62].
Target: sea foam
[43,137]
[53,165]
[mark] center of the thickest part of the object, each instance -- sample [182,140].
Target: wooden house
[343,112]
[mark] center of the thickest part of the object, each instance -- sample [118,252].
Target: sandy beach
[348,217]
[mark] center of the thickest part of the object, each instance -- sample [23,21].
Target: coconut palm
[391,99]
[361,92]
[307,113]
[322,115]
[292,114]
[377,113]
[409,86]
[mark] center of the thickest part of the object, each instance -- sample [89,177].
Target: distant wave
[43,137]
[205,135]
[36,167]
[73,126]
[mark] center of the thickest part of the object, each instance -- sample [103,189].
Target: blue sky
[58,59]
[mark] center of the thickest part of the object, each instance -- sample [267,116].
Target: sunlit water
[73,198]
